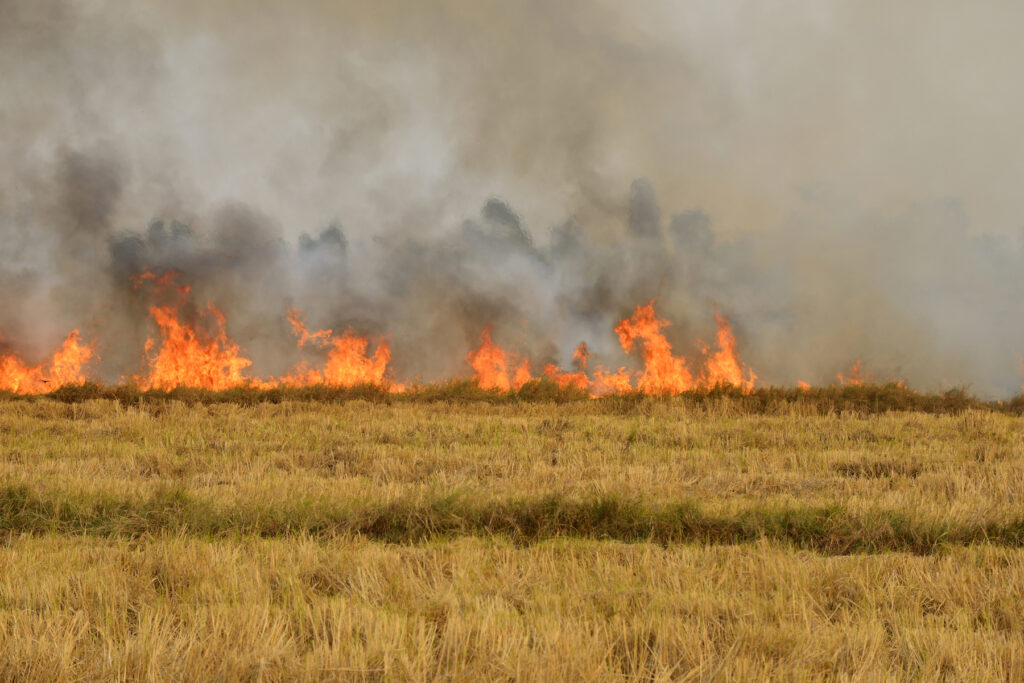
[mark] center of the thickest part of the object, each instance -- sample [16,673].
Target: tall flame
[663,373]
[193,352]
[724,367]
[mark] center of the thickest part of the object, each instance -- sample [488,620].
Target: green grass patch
[829,530]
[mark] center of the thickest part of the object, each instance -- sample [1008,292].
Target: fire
[199,353]
[188,355]
[857,375]
[192,349]
[347,364]
[803,386]
[492,366]
[64,367]
[663,373]
[618,382]
[723,367]
[581,356]
[576,380]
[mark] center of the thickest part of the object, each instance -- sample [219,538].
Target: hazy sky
[878,140]
[317,110]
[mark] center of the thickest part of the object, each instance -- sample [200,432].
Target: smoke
[837,178]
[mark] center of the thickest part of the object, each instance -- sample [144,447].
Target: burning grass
[193,350]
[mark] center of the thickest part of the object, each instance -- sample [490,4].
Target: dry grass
[479,540]
[864,399]
[478,609]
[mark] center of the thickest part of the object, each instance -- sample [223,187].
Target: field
[288,537]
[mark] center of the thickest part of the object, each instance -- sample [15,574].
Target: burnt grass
[831,530]
[864,399]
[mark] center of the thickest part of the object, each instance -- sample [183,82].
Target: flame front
[64,367]
[193,349]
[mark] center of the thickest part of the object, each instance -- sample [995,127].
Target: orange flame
[723,367]
[296,319]
[491,366]
[576,380]
[347,364]
[581,356]
[802,385]
[857,375]
[193,349]
[64,367]
[188,356]
[663,372]
[618,382]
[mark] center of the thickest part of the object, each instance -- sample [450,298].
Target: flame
[64,367]
[199,353]
[491,366]
[576,380]
[663,373]
[581,356]
[802,385]
[188,355]
[193,349]
[723,367]
[347,364]
[857,375]
[618,382]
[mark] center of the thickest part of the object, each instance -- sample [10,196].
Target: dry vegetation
[704,537]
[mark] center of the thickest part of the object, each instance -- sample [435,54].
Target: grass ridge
[823,529]
[864,399]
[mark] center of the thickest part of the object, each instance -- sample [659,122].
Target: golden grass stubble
[173,607]
[157,606]
[965,469]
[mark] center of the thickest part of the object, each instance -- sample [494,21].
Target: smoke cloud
[838,178]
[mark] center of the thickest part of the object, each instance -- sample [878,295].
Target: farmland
[285,536]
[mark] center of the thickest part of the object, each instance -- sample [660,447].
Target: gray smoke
[837,178]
